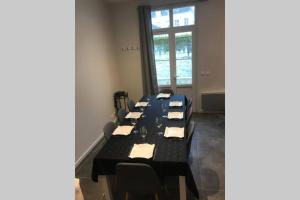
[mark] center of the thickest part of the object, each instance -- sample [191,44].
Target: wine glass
[159,123]
[164,107]
[148,98]
[142,109]
[143,132]
[133,121]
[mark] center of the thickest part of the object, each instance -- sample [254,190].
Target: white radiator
[213,102]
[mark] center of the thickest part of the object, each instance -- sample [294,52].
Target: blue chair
[131,105]
[108,129]
[138,179]
[121,115]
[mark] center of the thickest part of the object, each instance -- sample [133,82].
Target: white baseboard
[80,159]
[199,111]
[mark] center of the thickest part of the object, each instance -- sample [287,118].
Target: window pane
[183,58]
[184,16]
[162,59]
[160,19]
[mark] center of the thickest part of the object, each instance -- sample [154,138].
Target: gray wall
[97,75]
[210,45]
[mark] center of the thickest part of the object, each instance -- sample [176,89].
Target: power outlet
[205,73]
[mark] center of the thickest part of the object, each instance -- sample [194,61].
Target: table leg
[182,189]
[106,186]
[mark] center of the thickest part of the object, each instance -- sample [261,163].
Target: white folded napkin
[163,95]
[174,132]
[142,151]
[175,115]
[175,103]
[133,115]
[141,104]
[123,130]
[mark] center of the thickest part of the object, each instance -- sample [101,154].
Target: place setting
[143,150]
[163,96]
[174,132]
[133,117]
[169,131]
[172,115]
[123,130]
[142,105]
[127,129]
[175,104]
[175,115]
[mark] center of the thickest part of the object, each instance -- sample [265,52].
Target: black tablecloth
[170,154]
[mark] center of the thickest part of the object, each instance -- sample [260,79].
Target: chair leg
[156,196]
[126,196]
[165,189]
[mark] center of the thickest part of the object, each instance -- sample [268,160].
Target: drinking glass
[142,109]
[135,131]
[164,107]
[143,132]
[133,121]
[159,123]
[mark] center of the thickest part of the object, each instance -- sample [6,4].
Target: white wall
[96,72]
[126,33]
[210,45]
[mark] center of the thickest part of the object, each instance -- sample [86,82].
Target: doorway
[173,37]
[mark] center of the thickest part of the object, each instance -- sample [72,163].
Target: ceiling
[115,1]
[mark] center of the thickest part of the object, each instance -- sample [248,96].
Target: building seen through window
[182,54]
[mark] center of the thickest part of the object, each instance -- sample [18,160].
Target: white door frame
[171,34]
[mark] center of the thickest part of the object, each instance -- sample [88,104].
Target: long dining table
[170,154]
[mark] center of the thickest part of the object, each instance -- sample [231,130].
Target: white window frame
[171,30]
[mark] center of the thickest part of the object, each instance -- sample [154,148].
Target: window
[162,58]
[183,43]
[188,13]
[186,21]
[160,19]
[165,12]
[173,45]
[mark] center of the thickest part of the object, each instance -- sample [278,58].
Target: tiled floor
[208,162]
